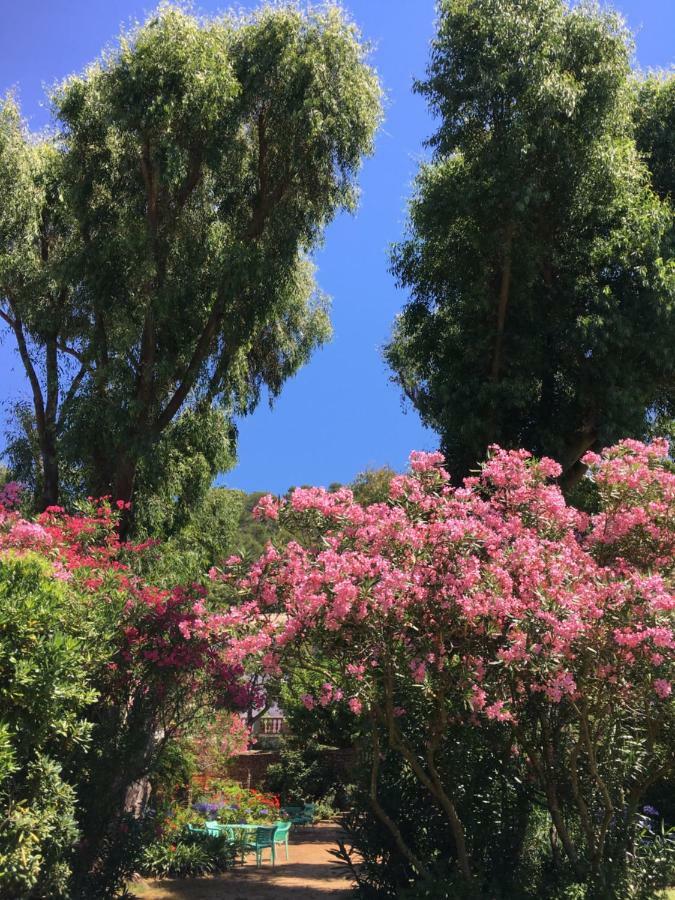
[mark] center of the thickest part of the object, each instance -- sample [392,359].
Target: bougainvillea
[162,635]
[492,604]
[159,658]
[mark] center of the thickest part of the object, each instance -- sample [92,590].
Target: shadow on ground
[311,874]
[222,889]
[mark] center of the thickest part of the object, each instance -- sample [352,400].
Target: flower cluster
[11,494]
[230,802]
[493,604]
[498,580]
[163,639]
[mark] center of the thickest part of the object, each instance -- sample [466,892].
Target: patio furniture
[264,840]
[281,834]
[294,814]
[309,810]
[243,833]
[300,815]
[216,828]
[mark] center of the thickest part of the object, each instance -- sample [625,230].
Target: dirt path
[310,874]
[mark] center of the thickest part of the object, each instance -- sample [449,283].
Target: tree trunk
[123,489]
[49,452]
[382,815]
[50,469]
[573,469]
[502,302]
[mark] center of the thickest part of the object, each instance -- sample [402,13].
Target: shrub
[215,738]
[38,832]
[493,609]
[230,802]
[47,651]
[303,774]
[98,671]
[161,860]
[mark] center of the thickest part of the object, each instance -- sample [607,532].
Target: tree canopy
[199,162]
[537,260]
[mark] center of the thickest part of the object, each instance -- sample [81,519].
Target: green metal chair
[300,815]
[309,812]
[294,814]
[281,834]
[264,840]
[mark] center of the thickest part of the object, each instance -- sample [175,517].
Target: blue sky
[340,414]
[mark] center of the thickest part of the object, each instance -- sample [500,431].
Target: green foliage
[203,525]
[162,860]
[494,802]
[36,297]
[304,774]
[372,485]
[332,725]
[541,279]
[48,651]
[216,526]
[199,162]
[652,863]
[174,481]
[531,868]
[171,776]
[38,832]
[654,116]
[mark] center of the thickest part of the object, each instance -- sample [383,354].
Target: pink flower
[497,712]
[663,688]
[10,494]
[424,462]
[418,668]
[478,698]
[28,534]
[267,508]
[355,705]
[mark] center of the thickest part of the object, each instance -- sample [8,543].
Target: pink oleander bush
[494,605]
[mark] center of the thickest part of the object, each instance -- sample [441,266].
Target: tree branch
[191,373]
[70,396]
[70,351]
[382,815]
[192,178]
[38,400]
[7,318]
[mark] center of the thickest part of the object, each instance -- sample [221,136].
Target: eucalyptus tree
[655,129]
[541,290]
[201,160]
[36,296]
[655,137]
